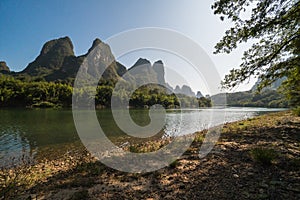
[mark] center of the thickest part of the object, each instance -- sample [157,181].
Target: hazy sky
[27,25]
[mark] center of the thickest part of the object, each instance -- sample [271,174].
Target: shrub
[44,104]
[263,156]
[296,111]
[199,138]
[133,149]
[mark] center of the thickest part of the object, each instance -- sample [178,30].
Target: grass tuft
[133,149]
[263,156]
[174,164]
[296,111]
[199,138]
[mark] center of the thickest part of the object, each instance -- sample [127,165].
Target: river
[48,133]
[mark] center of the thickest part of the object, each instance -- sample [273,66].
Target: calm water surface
[50,133]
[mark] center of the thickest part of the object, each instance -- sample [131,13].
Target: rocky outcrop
[143,72]
[159,68]
[58,62]
[3,67]
[96,42]
[274,86]
[186,90]
[51,58]
[199,95]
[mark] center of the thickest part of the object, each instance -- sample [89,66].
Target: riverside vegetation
[15,92]
[257,158]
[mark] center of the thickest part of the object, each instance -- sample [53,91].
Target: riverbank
[258,158]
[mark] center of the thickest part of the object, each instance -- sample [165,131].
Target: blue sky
[27,25]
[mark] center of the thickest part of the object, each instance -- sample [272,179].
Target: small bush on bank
[296,111]
[133,149]
[263,156]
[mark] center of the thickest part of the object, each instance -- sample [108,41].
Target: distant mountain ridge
[186,90]
[274,86]
[57,62]
[144,72]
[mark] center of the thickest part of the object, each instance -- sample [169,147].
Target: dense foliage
[269,98]
[15,92]
[291,89]
[151,95]
[273,28]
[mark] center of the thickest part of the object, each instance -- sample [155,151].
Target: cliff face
[51,57]
[143,72]
[159,68]
[274,86]
[199,94]
[58,62]
[186,90]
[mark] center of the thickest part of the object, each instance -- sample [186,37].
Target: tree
[273,27]
[291,89]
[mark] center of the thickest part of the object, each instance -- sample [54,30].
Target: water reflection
[50,133]
[13,145]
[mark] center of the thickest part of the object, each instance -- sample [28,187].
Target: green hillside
[267,98]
